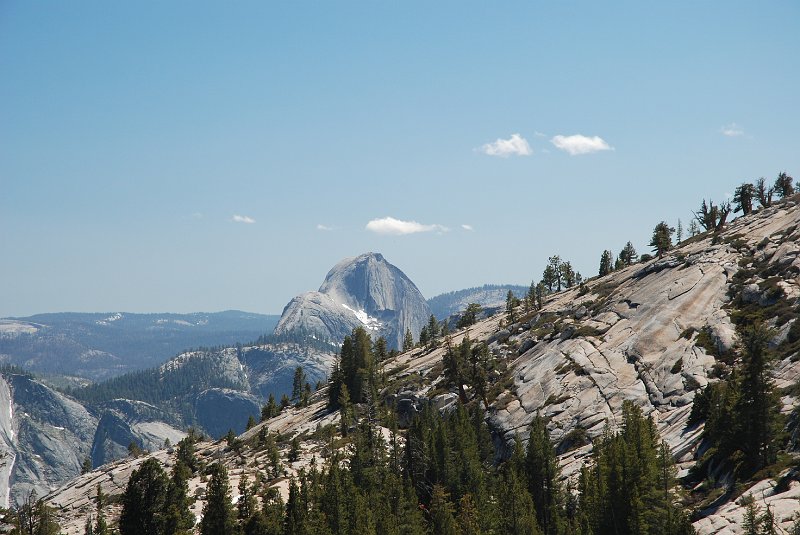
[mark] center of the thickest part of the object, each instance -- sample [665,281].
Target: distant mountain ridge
[488,296]
[98,346]
[365,291]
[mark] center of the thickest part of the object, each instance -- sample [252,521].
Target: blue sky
[133,134]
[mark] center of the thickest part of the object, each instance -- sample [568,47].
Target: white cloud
[732,130]
[324,227]
[242,219]
[467,227]
[516,145]
[578,144]
[397,227]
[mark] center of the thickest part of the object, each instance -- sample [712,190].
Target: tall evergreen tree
[541,468]
[178,517]
[783,186]
[441,511]
[408,340]
[743,198]
[218,514]
[628,254]
[555,264]
[143,500]
[101,526]
[758,406]
[661,242]
[270,410]
[298,381]
[606,263]
[433,330]
[511,303]
[764,193]
[470,316]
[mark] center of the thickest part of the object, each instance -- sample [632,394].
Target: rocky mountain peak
[363,291]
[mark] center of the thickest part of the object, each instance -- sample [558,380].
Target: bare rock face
[124,422]
[221,409]
[364,291]
[44,438]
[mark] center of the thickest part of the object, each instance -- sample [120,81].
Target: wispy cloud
[398,227]
[578,144]
[242,219]
[467,227]
[326,228]
[516,145]
[732,130]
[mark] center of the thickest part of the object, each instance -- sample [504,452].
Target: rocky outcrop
[44,437]
[364,291]
[124,422]
[221,409]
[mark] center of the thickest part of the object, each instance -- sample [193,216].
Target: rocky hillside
[362,291]
[654,334]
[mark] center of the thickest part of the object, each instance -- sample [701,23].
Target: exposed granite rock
[363,291]
[45,437]
[220,409]
[125,421]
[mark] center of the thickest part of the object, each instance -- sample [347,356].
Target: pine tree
[511,303]
[661,242]
[628,254]
[294,451]
[750,524]
[218,515]
[297,384]
[783,186]
[345,410]
[606,263]
[143,500]
[101,527]
[743,198]
[441,511]
[470,316]
[178,517]
[758,407]
[766,523]
[185,453]
[408,340]
[32,517]
[270,410]
[433,330]
[294,523]
[518,514]
[763,193]
[380,350]
[549,278]
[246,505]
[468,516]
[541,468]
[679,232]
[554,262]
[568,274]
